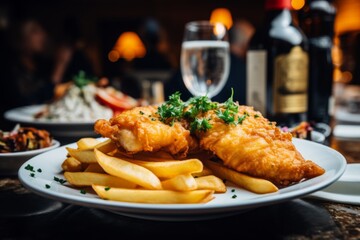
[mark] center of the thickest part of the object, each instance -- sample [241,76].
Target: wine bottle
[318,24]
[277,67]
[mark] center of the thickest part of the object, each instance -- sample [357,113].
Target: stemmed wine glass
[205,58]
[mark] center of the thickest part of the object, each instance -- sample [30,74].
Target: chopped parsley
[241,119]
[141,112]
[82,191]
[175,110]
[234,196]
[30,168]
[107,188]
[61,181]
[32,174]
[172,110]
[232,190]
[198,105]
[47,186]
[256,116]
[200,124]
[39,170]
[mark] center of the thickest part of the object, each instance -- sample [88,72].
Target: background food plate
[223,204]
[345,190]
[61,130]
[11,162]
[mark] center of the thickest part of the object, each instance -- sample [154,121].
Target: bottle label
[291,82]
[256,80]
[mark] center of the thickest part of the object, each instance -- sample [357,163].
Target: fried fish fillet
[258,148]
[139,129]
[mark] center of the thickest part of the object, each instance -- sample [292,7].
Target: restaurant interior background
[85,35]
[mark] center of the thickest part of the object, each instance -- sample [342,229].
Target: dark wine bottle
[277,67]
[317,22]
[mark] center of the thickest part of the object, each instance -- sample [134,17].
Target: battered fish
[139,130]
[257,147]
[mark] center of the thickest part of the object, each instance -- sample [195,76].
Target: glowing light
[219,30]
[222,15]
[347,17]
[127,46]
[113,55]
[297,4]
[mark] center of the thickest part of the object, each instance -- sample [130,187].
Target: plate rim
[8,115]
[54,144]
[182,209]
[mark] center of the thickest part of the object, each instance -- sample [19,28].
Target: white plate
[346,189]
[59,129]
[223,204]
[341,114]
[11,162]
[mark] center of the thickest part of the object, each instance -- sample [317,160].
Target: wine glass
[205,58]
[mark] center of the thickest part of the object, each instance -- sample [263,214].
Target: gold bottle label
[291,81]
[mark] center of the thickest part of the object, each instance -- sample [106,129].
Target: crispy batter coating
[139,129]
[258,148]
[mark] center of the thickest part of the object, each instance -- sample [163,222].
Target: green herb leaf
[29,168]
[234,196]
[107,188]
[200,124]
[39,170]
[47,186]
[32,174]
[82,191]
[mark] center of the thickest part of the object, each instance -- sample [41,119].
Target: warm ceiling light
[297,4]
[128,46]
[222,15]
[347,17]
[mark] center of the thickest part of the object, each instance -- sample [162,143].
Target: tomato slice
[113,101]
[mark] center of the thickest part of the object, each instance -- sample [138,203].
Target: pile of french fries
[150,177]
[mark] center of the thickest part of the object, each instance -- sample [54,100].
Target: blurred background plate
[11,162]
[64,131]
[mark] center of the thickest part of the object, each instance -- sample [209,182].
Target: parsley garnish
[172,110]
[256,116]
[39,170]
[199,105]
[47,186]
[200,124]
[141,112]
[231,109]
[82,191]
[234,196]
[32,174]
[107,188]
[30,168]
[227,116]
[241,119]
[232,190]
[61,181]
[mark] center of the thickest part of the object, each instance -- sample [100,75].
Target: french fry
[205,172]
[127,170]
[87,143]
[84,156]
[211,182]
[106,146]
[256,185]
[170,169]
[153,196]
[70,164]
[94,167]
[83,179]
[184,182]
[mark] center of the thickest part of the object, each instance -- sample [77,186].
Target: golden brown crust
[258,148]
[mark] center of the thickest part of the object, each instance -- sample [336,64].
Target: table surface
[24,215]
